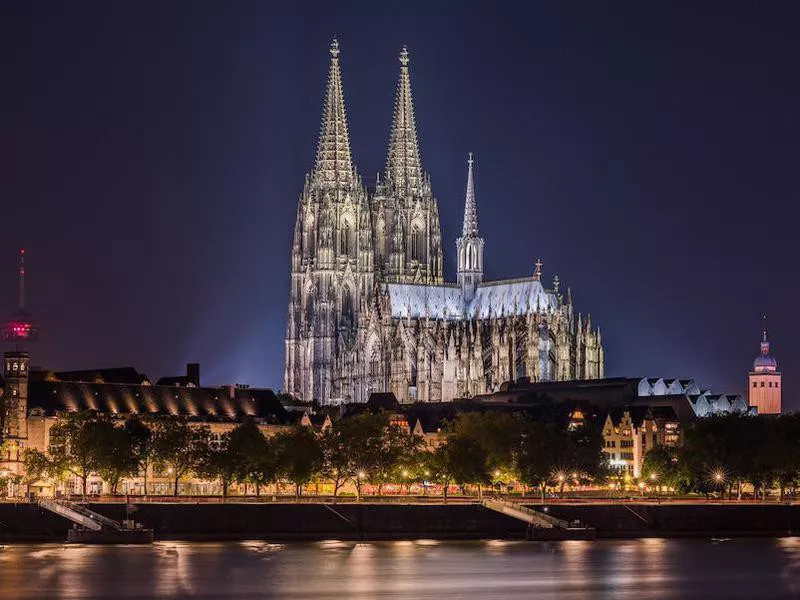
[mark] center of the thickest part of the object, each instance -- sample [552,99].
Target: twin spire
[403,164]
[334,165]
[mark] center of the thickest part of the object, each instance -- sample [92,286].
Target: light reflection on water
[422,569]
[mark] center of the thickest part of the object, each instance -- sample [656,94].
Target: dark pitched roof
[211,404]
[383,401]
[121,375]
[177,381]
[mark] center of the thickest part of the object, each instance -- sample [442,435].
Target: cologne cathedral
[369,309]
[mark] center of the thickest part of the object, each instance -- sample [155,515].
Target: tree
[73,446]
[466,462]
[543,455]
[394,444]
[115,455]
[785,448]
[141,437]
[36,466]
[336,462]
[361,451]
[179,447]
[498,433]
[235,457]
[222,462]
[255,457]
[660,467]
[265,468]
[300,456]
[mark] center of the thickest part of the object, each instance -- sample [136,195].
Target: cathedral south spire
[470,244]
[403,164]
[334,164]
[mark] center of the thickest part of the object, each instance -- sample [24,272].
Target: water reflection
[422,569]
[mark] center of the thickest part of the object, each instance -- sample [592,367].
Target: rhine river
[640,569]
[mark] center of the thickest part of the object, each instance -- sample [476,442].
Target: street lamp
[718,475]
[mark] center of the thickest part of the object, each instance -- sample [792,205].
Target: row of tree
[725,453]
[478,449]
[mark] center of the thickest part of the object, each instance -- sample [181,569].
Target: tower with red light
[764,382]
[18,331]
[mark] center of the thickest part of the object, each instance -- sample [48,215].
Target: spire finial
[404,56]
[537,274]
[764,329]
[334,48]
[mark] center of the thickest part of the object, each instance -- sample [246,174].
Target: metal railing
[79,514]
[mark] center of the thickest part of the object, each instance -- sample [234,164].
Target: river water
[640,569]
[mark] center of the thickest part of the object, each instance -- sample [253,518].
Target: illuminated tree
[179,447]
[73,446]
[300,456]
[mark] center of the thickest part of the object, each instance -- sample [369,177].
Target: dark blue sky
[153,153]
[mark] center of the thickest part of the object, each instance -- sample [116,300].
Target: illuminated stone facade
[369,310]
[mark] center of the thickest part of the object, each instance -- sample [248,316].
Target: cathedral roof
[492,299]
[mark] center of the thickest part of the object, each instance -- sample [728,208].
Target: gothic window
[417,244]
[381,240]
[344,239]
[309,237]
[310,311]
[375,363]
[348,313]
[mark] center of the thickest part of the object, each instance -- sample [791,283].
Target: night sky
[153,154]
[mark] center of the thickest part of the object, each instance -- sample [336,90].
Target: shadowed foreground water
[640,569]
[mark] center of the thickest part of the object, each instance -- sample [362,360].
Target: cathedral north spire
[334,164]
[403,163]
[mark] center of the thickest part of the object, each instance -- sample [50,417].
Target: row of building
[636,414]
